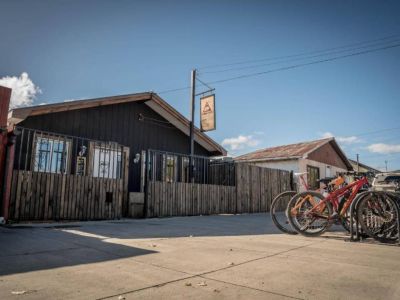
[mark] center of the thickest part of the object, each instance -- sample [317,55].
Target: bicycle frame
[334,196]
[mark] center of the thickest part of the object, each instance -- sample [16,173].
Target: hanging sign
[207,113]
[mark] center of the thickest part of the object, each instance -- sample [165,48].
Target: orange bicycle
[280,202]
[311,214]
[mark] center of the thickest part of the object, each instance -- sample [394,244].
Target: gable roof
[152,100]
[292,151]
[354,163]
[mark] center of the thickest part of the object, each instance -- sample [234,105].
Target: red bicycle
[311,214]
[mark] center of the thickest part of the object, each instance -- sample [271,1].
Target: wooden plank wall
[46,196]
[189,199]
[255,188]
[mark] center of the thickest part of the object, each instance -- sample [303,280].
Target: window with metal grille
[50,154]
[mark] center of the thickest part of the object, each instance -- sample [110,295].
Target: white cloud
[383,148]
[342,139]
[240,142]
[24,91]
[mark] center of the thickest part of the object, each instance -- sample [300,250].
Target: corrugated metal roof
[284,152]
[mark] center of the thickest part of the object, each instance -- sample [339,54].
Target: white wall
[322,168]
[300,166]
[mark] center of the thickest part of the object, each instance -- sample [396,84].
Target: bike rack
[358,234]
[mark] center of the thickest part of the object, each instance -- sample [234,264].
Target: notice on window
[81,165]
[207,113]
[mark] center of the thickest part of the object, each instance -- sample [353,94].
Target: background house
[319,158]
[360,167]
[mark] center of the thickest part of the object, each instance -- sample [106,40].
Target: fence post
[291,181]
[5,96]
[8,171]
[146,183]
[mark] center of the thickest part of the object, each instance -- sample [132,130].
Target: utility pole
[192,105]
[192,108]
[386,162]
[358,163]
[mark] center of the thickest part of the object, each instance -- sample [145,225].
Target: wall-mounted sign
[81,165]
[207,113]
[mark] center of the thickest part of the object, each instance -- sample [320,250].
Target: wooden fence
[255,188]
[49,196]
[189,199]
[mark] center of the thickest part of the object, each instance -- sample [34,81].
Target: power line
[303,65]
[372,132]
[299,54]
[286,68]
[297,59]
[173,90]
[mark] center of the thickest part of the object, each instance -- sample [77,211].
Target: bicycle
[280,202]
[311,214]
[378,215]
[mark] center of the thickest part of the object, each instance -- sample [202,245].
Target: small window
[313,177]
[170,170]
[185,169]
[51,154]
[107,162]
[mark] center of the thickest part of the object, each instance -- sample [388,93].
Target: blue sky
[85,49]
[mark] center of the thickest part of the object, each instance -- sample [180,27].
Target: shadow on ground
[32,247]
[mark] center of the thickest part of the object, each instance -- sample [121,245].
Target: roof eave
[19,114]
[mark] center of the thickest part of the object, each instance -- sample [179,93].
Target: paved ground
[210,257]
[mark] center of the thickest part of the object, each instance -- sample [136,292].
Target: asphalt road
[206,257]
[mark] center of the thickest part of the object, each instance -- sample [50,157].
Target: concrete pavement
[205,257]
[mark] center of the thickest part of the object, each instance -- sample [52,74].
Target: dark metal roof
[152,100]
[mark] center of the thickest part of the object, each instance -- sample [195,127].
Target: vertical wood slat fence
[254,191]
[49,196]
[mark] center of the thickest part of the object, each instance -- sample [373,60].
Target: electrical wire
[297,59]
[286,67]
[303,65]
[300,54]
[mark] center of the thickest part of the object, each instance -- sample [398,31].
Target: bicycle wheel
[300,216]
[378,216]
[278,212]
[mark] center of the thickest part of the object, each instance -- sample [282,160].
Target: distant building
[319,158]
[359,167]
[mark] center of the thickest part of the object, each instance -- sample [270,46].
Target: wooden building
[102,141]
[319,158]
[138,121]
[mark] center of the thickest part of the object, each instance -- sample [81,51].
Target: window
[185,169]
[170,168]
[313,177]
[328,171]
[51,154]
[107,162]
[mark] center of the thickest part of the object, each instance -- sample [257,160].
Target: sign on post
[207,113]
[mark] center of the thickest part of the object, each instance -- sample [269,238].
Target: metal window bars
[50,152]
[175,167]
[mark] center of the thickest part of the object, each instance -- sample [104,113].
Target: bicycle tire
[278,203]
[378,216]
[294,222]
